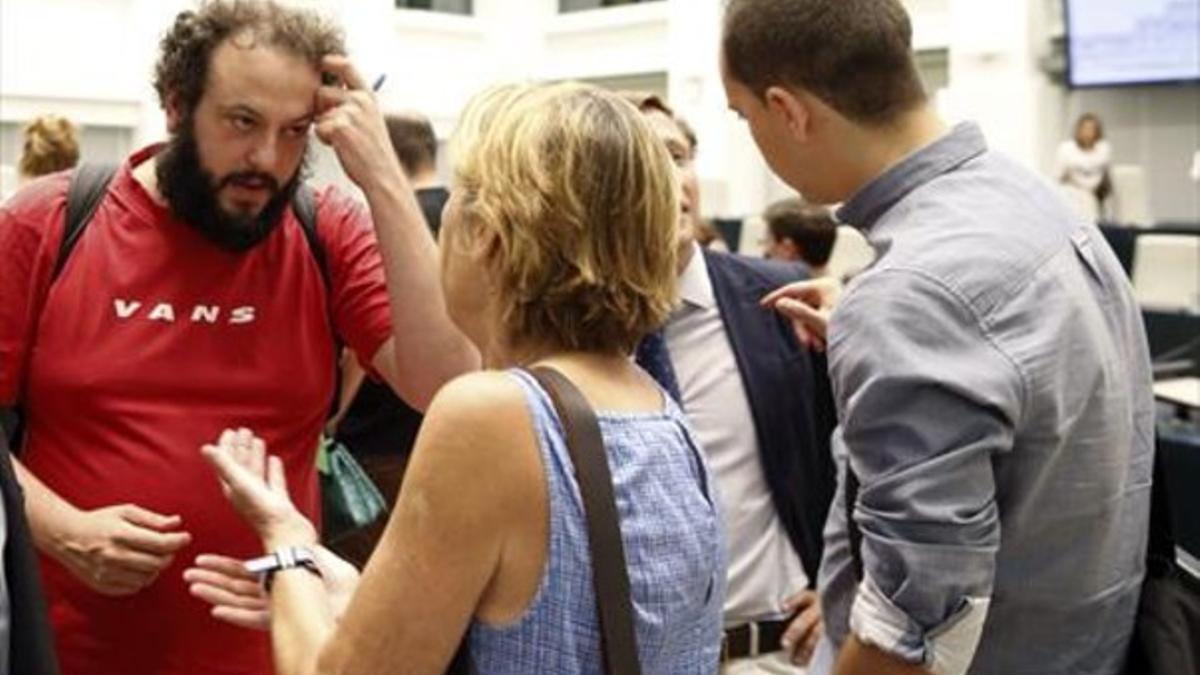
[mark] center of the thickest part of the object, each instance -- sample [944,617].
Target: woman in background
[51,144]
[1082,167]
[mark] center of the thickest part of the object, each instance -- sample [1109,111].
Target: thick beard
[191,194]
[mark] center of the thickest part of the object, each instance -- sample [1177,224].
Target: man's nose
[264,153]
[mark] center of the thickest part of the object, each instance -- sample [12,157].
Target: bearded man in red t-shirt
[193,302]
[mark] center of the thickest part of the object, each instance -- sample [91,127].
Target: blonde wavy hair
[51,144]
[581,198]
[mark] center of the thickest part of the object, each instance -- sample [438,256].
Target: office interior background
[1003,63]
[1000,62]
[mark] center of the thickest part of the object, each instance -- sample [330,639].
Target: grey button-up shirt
[993,388]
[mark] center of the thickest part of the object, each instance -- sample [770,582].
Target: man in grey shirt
[990,369]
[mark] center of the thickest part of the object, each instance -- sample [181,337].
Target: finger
[243,618]
[233,585]
[276,476]
[245,455]
[800,311]
[805,338]
[798,601]
[227,438]
[244,437]
[151,541]
[797,631]
[340,65]
[330,97]
[797,289]
[137,560]
[217,595]
[780,292]
[331,127]
[145,518]
[256,458]
[229,468]
[230,567]
[809,647]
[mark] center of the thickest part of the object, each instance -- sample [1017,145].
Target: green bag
[349,499]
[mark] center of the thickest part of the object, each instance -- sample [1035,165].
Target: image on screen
[1116,42]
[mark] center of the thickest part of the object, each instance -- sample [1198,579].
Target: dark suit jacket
[31,649]
[789,394]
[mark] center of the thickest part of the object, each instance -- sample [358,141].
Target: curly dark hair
[186,48]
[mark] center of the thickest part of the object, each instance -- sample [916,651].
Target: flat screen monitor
[1126,42]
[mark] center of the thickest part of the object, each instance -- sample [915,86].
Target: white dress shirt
[764,569]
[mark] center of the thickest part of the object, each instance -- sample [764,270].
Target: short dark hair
[810,226]
[855,55]
[186,49]
[413,141]
[647,102]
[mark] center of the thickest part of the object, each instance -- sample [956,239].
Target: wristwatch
[285,558]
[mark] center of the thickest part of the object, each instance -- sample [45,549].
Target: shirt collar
[963,143]
[695,288]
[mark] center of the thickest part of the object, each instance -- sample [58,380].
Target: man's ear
[794,250]
[173,107]
[792,109]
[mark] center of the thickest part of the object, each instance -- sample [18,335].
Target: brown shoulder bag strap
[609,574]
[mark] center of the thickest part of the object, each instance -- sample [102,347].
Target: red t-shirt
[151,341]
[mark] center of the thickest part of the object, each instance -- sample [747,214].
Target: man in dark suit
[26,646]
[761,408]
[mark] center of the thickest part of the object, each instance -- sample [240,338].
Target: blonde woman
[557,250]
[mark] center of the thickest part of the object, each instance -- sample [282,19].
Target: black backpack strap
[89,184]
[304,204]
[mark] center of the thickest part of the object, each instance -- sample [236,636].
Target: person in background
[416,146]
[705,233]
[1082,167]
[764,427]
[709,237]
[51,145]
[557,250]
[990,368]
[799,231]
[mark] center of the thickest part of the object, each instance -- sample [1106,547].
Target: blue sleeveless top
[673,547]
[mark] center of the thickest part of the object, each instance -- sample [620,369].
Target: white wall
[435,62]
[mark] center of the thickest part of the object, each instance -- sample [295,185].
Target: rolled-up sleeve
[927,402]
